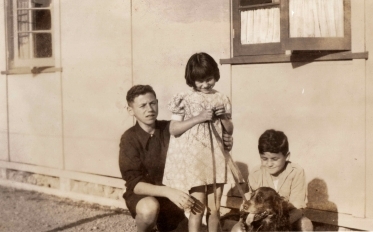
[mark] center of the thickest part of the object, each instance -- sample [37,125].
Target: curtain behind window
[24,24]
[260,26]
[316,18]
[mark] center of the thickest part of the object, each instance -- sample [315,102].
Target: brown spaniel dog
[266,211]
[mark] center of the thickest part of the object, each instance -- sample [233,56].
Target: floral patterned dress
[190,161]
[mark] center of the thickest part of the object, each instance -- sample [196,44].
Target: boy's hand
[228,141]
[180,198]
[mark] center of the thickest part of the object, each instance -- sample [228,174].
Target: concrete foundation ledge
[33,178]
[76,186]
[60,193]
[65,184]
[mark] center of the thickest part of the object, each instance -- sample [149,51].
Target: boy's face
[273,162]
[145,109]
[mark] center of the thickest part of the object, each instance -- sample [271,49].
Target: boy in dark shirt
[142,156]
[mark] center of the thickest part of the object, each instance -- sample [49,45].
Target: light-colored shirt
[275,183]
[291,183]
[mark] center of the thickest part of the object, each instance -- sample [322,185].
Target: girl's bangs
[201,73]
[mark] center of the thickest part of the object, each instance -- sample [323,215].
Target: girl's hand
[219,110]
[180,198]
[206,115]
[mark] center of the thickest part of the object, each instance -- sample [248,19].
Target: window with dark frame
[270,27]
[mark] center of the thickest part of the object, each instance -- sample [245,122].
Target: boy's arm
[227,123]
[130,162]
[130,166]
[179,198]
[298,194]
[252,183]
[254,177]
[295,215]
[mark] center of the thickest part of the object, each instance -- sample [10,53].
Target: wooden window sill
[36,70]
[296,57]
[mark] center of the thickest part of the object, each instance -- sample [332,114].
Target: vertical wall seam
[365,113]
[6,8]
[7,114]
[131,25]
[131,42]
[231,51]
[61,89]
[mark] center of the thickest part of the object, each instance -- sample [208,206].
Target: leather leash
[237,176]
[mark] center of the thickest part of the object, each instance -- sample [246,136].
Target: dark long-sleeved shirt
[142,157]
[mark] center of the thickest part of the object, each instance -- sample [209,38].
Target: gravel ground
[32,211]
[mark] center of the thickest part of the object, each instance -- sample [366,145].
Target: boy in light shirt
[277,172]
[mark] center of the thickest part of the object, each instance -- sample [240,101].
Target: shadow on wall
[318,198]
[231,215]
[245,174]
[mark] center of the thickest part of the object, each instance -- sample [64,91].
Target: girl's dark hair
[273,141]
[200,66]
[138,90]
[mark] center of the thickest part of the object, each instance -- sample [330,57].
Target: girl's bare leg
[196,214]
[213,207]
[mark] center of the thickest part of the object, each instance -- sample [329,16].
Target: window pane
[41,3]
[260,26]
[38,45]
[316,18]
[24,49]
[42,45]
[23,3]
[34,20]
[23,20]
[42,20]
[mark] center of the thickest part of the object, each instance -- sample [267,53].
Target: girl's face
[273,162]
[206,85]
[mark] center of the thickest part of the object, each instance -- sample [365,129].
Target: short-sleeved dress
[189,161]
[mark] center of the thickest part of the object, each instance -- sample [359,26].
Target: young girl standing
[195,162]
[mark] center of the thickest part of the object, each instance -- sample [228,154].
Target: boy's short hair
[200,66]
[138,90]
[273,141]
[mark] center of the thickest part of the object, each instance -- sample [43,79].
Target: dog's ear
[284,222]
[278,203]
[285,205]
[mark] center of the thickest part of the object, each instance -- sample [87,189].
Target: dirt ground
[31,211]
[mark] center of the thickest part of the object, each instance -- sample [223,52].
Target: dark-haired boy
[277,172]
[142,157]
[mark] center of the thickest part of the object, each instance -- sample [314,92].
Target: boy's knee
[306,224]
[148,208]
[238,227]
[303,224]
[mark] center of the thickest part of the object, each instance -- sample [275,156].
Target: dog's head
[265,209]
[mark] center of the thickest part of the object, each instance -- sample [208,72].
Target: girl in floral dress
[195,162]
